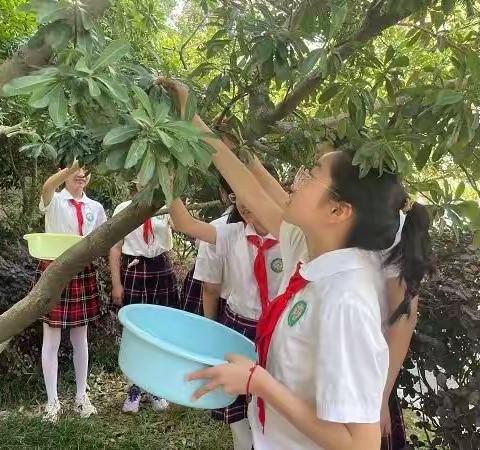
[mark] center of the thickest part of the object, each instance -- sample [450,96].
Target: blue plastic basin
[161,345]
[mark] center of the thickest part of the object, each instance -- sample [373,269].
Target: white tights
[51,343]
[242,435]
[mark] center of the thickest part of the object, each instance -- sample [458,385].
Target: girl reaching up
[70,211]
[251,257]
[322,356]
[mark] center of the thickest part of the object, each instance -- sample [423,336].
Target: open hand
[232,376]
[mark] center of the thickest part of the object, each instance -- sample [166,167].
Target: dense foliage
[397,81]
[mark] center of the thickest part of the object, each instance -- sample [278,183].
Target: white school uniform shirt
[61,216]
[211,268]
[135,245]
[328,347]
[239,254]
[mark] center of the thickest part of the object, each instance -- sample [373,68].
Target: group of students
[324,280]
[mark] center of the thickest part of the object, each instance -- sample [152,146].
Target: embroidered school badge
[89,216]
[297,311]
[277,265]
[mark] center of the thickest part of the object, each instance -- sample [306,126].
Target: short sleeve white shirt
[328,347]
[135,245]
[239,254]
[61,216]
[210,267]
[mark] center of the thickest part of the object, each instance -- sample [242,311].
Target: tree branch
[34,55]
[375,22]
[184,45]
[46,293]
[194,207]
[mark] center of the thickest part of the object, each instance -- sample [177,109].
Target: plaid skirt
[192,300]
[79,303]
[397,439]
[238,409]
[149,280]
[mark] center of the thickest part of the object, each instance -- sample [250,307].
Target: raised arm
[57,179]
[268,182]
[238,176]
[183,222]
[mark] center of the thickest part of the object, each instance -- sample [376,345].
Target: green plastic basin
[50,246]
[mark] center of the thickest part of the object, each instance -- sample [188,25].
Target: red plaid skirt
[192,300]
[238,409]
[79,303]
[397,439]
[149,280]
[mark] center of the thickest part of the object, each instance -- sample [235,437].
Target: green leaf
[401,61]
[448,97]
[190,107]
[180,181]
[120,134]
[423,156]
[116,159]
[203,154]
[264,50]
[214,88]
[57,107]
[93,87]
[311,60]
[141,117]
[329,93]
[162,109]
[460,190]
[25,85]
[143,99]
[147,169]
[281,69]
[49,151]
[58,35]
[40,97]
[165,182]
[82,66]
[339,14]
[166,139]
[117,89]
[183,153]
[473,64]
[136,152]
[50,12]
[438,18]
[389,54]
[111,54]
[447,6]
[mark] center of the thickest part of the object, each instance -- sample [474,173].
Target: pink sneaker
[132,402]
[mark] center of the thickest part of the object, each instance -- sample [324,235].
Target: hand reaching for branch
[179,90]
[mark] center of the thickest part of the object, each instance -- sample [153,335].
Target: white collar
[251,231]
[67,196]
[330,263]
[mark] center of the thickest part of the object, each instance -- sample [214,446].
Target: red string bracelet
[252,370]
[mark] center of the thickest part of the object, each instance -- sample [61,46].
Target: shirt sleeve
[292,245]
[227,235]
[209,268]
[44,208]
[102,217]
[352,363]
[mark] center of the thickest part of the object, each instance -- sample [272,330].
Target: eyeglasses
[304,176]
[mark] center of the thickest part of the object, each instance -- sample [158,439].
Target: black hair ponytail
[412,256]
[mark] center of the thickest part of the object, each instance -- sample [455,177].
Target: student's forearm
[53,183]
[243,182]
[398,339]
[210,297]
[271,186]
[184,223]
[115,258]
[301,414]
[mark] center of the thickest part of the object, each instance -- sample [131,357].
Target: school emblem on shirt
[297,311]
[277,265]
[89,216]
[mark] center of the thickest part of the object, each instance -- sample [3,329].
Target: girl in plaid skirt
[142,272]
[252,258]
[72,212]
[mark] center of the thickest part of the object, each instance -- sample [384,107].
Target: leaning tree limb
[38,52]
[378,19]
[46,293]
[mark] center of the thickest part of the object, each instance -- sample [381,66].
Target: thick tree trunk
[47,291]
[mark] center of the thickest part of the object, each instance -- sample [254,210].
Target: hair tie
[409,202]
[398,236]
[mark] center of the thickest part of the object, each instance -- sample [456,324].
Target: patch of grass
[21,426]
